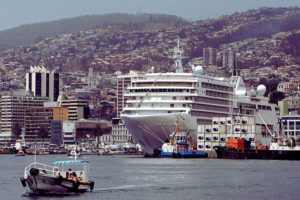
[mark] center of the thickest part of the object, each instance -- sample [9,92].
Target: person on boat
[74,176]
[55,169]
[80,177]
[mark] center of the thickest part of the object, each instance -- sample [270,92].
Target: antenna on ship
[178,57]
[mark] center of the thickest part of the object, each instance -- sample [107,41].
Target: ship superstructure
[155,99]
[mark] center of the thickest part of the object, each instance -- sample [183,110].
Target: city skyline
[19,12]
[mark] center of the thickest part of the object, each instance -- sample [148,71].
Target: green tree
[276,96]
[98,133]
[16,130]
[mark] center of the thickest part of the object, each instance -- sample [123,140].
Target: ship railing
[51,170]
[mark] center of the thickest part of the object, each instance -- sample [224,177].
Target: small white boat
[60,177]
[74,152]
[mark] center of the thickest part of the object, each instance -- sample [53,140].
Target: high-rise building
[13,109]
[122,87]
[209,56]
[229,57]
[35,119]
[43,83]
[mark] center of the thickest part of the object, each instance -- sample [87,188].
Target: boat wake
[58,195]
[122,187]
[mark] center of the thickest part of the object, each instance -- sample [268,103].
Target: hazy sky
[16,12]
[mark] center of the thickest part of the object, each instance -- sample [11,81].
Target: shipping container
[245,120]
[223,138]
[215,129]
[201,128]
[237,120]
[222,129]
[229,129]
[235,143]
[207,146]
[200,137]
[200,146]
[215,120]
[229,120]
[215,144]
[208,128]
[215,137]
[237,129]
[222,121]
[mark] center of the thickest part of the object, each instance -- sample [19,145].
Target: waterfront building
[35,119]
[68,132]
[56,132]
[291,126]
[120,134]
[209,56]
[13,109]
[43,83]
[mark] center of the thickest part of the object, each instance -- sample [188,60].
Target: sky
[14,13]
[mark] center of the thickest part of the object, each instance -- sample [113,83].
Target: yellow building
[60,113]
[284,107]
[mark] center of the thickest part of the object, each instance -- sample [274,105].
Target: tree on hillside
[16,130]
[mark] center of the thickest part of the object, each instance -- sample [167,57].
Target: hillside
[264,38]
[29,34]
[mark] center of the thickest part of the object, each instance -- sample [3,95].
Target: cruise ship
[154,100]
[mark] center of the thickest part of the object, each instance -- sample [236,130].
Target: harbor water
[136,177]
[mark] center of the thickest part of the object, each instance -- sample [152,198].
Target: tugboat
[180,146]
[60,177]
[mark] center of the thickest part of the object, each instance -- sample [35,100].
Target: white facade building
[42,83]
[69,132]
[120,134]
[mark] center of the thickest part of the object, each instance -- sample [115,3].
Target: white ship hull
[151,131]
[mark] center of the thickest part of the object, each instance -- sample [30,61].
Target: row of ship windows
[162,90]
[209,107]
[217,87]
[207,114]
[217,94]
[214,101]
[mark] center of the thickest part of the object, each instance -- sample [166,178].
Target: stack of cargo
[222,128]
[233,143]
